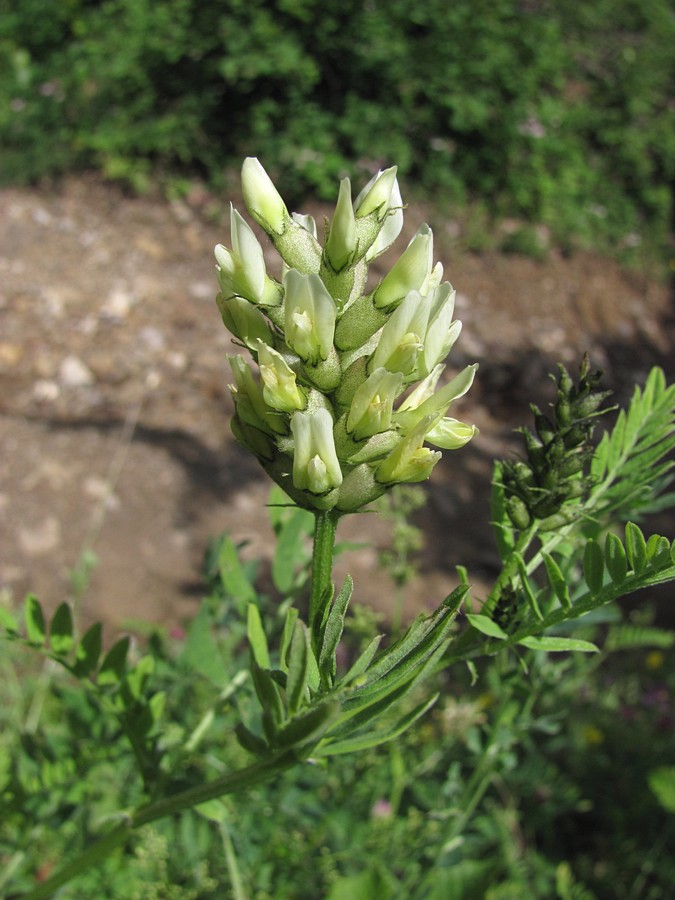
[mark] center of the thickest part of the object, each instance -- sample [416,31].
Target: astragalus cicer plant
[340,397]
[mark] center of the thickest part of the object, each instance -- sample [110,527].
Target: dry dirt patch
[114,409]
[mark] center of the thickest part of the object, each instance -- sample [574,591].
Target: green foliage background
[551,110]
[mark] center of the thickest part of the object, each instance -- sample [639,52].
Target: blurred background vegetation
[553,111]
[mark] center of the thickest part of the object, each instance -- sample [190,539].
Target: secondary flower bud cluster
[344,396]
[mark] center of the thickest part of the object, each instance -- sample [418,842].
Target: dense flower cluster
[345,395]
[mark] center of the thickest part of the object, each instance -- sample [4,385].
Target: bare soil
[114,407]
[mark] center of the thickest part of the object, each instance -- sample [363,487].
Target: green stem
[510,567]
[236,781]
[325,525]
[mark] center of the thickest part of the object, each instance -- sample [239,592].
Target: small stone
[74,373]
[118,305]
[97,488]
[177,360]
[46,391]
[42,539]
[152,338]
[150,247]
[10,354]
[202,290]
[41,216]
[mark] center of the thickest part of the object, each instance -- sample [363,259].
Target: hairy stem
[98,851]
[325,525]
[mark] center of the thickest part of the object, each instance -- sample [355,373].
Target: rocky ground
[114,408]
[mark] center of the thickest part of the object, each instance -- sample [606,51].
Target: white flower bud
[241,271]
[341,241]
[309,311]
[410,460]
[402,338]
[410,271]
[371,408]
[244,320]
[315,464]
[280,389]
[451,434]
[262,199]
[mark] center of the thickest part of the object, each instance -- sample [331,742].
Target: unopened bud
[341,241]
[262,199]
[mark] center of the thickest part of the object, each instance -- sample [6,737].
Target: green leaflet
[290,553]
[486,626]
[201,650]
[374,704]
[527,586]
[114,665]
[333,632]
[361,664]
[615,559]
[61,630]
[88,652]
[35,620]
[417,632]
[257,638]
[662,784]
[501,525]
[232,575]
[557,580]
[628,637]
[382,736]
[558,645]
[636,548]
[297,691]
[8,622]
[286,637]
[594,566]
[630,468]
[308,726]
